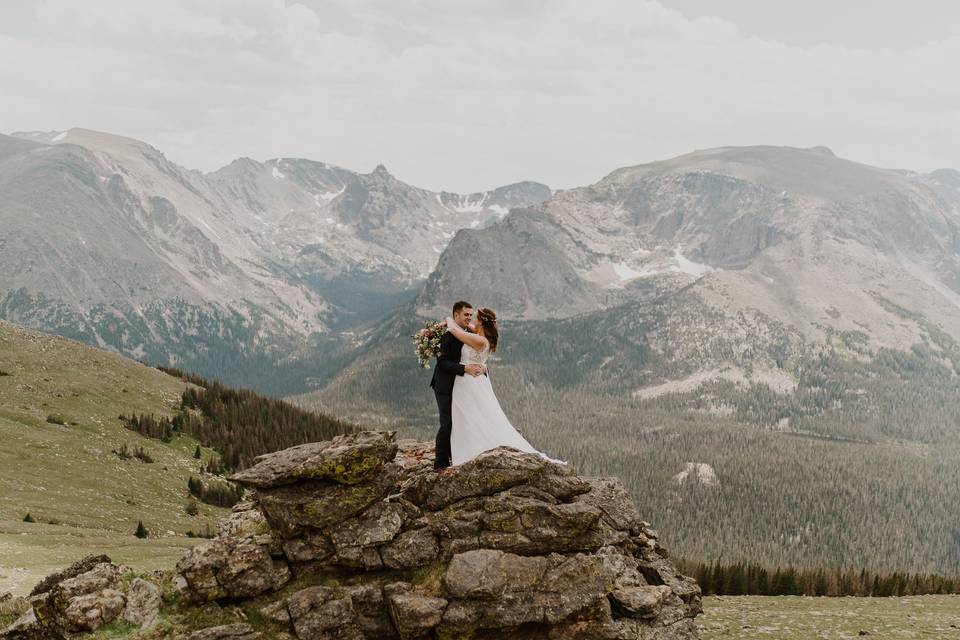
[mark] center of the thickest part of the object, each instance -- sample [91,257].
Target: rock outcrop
[84,597]
[505,545]
[359,539]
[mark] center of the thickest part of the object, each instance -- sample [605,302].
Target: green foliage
[753,579]
[237,423]
[218,493]
[28,518]
[56,418]
[241,424]
[141,531]
[149,425]
[191,508]
[4,373]
[115,631]
[123,452]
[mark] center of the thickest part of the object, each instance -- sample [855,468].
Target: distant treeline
[239,424]
[217,493]
[750,579]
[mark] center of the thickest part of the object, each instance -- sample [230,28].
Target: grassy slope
[801,618]
[84,498]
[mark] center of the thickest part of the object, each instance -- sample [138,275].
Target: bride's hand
[450,323]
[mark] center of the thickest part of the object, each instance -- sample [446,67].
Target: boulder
[245,519]
[376,525]
[75,569]
[324,613]
[639,601]
[413,614]
[83,602]
[347,459]
[230,568]
[413,548]
[26,627]
[491,472]
[143,603]
[612,499]
[317,504]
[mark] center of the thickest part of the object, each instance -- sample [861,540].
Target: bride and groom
[471,419]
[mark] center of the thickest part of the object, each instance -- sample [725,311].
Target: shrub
[123,452]
[4,373]
[196,453]
[141,531]
[191,508]
[28,518]
[142,455]
[56,418]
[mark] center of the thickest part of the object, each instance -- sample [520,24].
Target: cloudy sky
[468,94]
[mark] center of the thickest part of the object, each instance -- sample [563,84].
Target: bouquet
[427,342]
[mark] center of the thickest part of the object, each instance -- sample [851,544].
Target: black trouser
[445,406]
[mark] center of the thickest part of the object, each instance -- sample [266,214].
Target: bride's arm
[477,342]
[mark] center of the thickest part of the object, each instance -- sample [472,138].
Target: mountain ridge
[252,262]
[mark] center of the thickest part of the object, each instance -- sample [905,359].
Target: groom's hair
[461,304]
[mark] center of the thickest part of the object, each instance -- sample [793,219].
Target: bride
[479,423]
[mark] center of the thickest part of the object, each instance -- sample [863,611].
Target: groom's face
[464,317]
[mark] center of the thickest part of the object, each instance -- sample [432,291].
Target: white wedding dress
[479,423]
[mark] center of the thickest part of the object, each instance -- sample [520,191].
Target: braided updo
[487,317]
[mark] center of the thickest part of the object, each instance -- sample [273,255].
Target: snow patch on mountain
[329,195]
[685,265]
[469,205]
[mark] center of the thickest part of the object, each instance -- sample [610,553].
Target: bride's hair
[488,318]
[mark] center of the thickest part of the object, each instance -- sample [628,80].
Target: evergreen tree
[141,531]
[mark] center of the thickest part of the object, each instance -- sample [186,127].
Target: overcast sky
[465,95]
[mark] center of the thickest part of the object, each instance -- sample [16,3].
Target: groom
[447,369]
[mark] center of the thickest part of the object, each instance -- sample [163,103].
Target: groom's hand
[474,370]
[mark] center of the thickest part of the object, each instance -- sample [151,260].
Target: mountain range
[107,241]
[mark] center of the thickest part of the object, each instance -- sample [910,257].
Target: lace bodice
[469,355]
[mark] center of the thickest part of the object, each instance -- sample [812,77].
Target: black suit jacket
[448,364]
